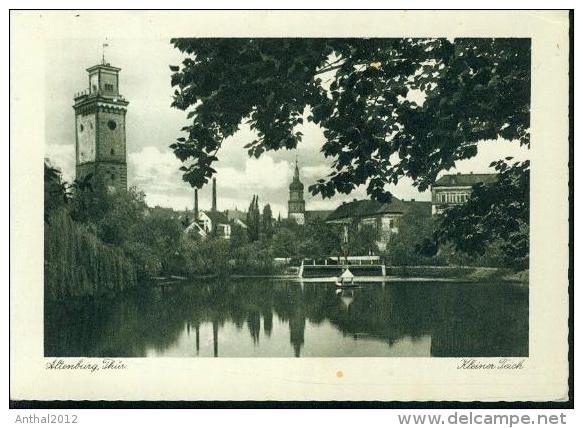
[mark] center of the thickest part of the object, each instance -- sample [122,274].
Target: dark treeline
[99,242]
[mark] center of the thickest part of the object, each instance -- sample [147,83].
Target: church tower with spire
[296,203]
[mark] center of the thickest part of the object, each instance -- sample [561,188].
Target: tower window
[111,125]
[113,176]
[112,151]
[81,127]
[109,87]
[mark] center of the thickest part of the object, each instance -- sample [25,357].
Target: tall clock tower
[100,129]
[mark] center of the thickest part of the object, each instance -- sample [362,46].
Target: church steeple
[296,183]
[296,203]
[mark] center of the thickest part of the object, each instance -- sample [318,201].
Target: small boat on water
[345,280]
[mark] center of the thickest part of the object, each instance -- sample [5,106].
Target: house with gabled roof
[215,223]
[382,217]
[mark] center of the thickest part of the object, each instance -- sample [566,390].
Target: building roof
[104,66]
[317,214]
[464,179]
[194,226]
[240,223]
[166,211]
[420,207]
[236,215]
[217,217]
[368,208]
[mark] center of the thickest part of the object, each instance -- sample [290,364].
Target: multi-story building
[455,189]
[383,218]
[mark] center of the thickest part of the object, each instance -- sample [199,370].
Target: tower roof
[296,184]
[103,66]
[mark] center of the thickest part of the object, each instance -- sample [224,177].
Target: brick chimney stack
[195,204]
[214,206]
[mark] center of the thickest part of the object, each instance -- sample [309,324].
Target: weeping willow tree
[78,264]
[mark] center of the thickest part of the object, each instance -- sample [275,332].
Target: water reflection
[244,318]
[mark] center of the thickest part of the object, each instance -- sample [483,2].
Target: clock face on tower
[86,138]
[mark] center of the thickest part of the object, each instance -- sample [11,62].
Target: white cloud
[262,173]
[178,202]
[157,174]
[62,156]
[154,169]
[316,172]
[489,151]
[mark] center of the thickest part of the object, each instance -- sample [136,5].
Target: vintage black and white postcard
[336,206]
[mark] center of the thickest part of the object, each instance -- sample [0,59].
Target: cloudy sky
[152,125]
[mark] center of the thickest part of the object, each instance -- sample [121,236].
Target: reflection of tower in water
[268,322]
[297,326]
[254,324]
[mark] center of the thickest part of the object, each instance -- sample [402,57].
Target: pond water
[279,318]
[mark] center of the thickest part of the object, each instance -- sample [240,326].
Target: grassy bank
[469,273]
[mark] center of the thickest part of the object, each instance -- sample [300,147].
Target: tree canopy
[389,108]
[495,212]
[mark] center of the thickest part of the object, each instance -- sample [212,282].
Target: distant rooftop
[217,217]
[318,214]
[236,215]
[368,208]
[464,179]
